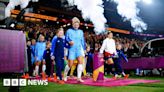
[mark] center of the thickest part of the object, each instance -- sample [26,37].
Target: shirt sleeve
[68,35]
[124,57]
[53,45]
[103,47]
[66,44]
[33,51]
[44,55]
[115,52]
[83,41]
[36,50]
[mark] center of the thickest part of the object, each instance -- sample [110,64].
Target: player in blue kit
[75,37]
[39,51]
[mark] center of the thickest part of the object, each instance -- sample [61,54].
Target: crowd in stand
[130,46]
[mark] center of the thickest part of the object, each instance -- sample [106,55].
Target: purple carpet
[108,82]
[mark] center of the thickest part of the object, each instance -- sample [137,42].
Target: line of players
[71,48]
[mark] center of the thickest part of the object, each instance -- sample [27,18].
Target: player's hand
[52,57]
[71,43]
[85,52]
[115,56]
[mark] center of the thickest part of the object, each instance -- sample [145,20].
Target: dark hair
[47,43]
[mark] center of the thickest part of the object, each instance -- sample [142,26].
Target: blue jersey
[47,56]
[121,55]
[39,50]
[54,40]
[77,36]
[59,48]
[77,49]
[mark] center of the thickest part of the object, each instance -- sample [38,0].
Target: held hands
[115,56]
[52,57]
[85,52]
[71,43]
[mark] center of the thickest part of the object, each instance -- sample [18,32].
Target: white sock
[79,70]
[123,74]
[37,69]
[67,68]
[137,71]
[116,75]
[44,68]
[34,72]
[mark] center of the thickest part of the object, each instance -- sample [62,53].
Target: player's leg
[79,68]
[73,67]
[71,58]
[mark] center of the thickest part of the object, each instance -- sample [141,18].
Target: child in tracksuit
[89,58]
[29,50]
[47,59]
[117,62]
[58,45]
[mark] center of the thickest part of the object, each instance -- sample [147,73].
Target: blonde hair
[59,29]
[75,20]
[40,37]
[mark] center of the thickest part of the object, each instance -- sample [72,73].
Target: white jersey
[108,46]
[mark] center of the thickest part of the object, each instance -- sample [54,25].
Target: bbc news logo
[24,82]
